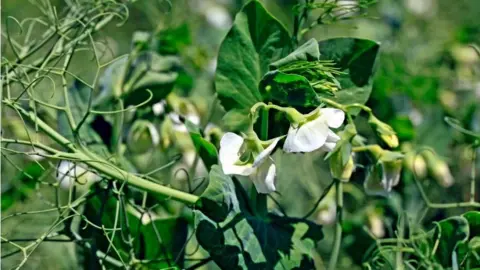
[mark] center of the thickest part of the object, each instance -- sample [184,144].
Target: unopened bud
[384,131]
[142,136]
[339,169]
[376,224]
[416,164]
[438,169]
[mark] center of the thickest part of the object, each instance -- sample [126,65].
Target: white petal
[154,134]
[230,145]
[158,108]
[308,137]
[331,142]
[332,137]
[265,153]
[391,176]
[194,118]
[264,178]
[334,117]
[328,147]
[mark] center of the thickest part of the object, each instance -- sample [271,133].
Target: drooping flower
[249,157]
[69,173]
[315,133]
[385,173]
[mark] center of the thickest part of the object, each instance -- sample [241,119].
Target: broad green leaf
[356,59]
[236,120]
[288,89]
[449,235]
[204,148]
[352,71]
[150,71]
[238,239]
[309,51]
[255,40]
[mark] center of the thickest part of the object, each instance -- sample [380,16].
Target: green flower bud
[142,137]
[339,169]
[438,169]
[384,131]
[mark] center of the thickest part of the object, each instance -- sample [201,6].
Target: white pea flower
[315,132]
[251,158]
[384,175]
[68,173]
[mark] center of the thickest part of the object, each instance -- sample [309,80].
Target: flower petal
[373,183]
[334,117]
[308,137]
[230,145]
[328,147]
[391,174]
[264,178]
[331,142]
[265,153]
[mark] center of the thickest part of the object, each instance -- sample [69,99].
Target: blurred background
[428,70]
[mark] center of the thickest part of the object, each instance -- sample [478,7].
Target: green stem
[261,199]
[104,166]
[338,225]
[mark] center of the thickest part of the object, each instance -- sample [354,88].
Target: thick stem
[104,166]
[338,225]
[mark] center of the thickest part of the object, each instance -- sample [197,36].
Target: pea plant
[136,173]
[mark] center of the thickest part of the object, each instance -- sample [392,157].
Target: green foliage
[238,238]
[255,40]
[206,150]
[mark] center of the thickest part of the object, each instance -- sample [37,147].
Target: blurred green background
[427,71]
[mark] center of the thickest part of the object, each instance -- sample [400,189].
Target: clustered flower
[249,156]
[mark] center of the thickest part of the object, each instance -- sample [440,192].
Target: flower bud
[339,169]
[384,131]
[142,137]
[438,169]
[375,223]
[416,164]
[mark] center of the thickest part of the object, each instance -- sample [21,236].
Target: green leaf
[162,237]
[173,40]
[473,218]
[309,51]
[206,150]
[289,89]
[156,239]
[238,239]
[255,40]
[356,58]
[148,70]
[236,120]
[449,234]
